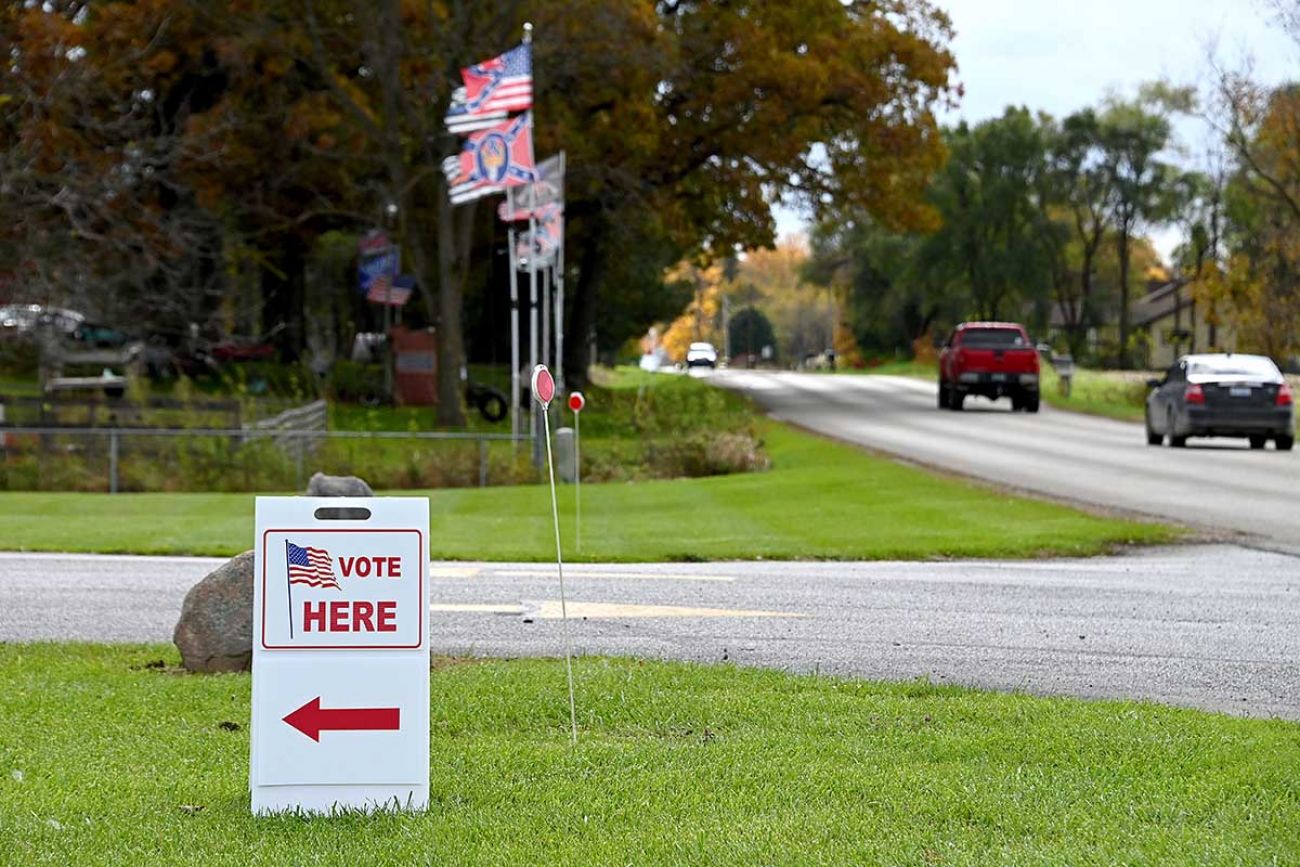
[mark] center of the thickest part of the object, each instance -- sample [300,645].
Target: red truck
[993,359]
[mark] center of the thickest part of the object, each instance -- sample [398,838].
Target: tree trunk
[1079,338]
[1123,295]
[451,343]
[283,297]
[591,273]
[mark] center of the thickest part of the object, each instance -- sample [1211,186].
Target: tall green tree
[1075,192]
[830,102]
[991,240]
[1143,186]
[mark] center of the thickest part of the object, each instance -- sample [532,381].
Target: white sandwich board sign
[340,654]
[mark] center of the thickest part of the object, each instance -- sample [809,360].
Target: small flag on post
[492,90]
[492,160]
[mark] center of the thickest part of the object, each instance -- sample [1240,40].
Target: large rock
[215,632]
[322,485]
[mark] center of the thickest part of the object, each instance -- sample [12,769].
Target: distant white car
[701,355]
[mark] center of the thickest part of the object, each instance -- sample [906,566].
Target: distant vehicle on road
[24,318]
[1227,395]
[701,355]
[992,359]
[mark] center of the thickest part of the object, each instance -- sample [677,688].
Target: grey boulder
[215,632]
[322,485]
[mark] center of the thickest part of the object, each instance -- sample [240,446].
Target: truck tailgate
[998,360]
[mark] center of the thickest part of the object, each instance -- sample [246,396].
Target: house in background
[1168,315]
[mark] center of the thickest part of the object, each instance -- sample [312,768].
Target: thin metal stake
[112,462]
[559,565]
[577,478]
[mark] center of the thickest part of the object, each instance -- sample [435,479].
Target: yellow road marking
[550,610]
[453,571]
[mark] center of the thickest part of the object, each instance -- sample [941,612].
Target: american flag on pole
[311,566]
[491,160]
[390,290]
[379,288]
[492,90]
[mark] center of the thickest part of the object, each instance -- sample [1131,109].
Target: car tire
[493,406]
[1017,403]
[1175,442]
[1258,443]
[1284,443]
[1153,438]
[1031,404]
[955,400]
[943,396]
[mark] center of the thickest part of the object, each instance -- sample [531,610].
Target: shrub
[706,454]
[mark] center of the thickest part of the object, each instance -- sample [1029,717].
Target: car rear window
[990,338]
[1254,366]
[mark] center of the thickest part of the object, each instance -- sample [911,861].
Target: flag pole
[546,315]
[534,428]
[532,325]
[288,588]
[514,323]
[559,290]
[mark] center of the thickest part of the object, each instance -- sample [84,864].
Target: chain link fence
[275,455]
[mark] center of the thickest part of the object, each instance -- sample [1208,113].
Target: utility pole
[726,329]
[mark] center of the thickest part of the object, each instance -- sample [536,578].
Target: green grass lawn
[820,500]
[1112,393]
[107,758]
[919,369]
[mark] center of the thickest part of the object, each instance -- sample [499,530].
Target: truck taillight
[1194,394]
[1284,396]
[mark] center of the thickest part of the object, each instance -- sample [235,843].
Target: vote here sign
[340,654]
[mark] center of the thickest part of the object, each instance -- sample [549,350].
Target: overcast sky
[1062,56]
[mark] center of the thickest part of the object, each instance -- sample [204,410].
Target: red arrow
[311,719]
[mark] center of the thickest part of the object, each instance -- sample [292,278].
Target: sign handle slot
[342,513]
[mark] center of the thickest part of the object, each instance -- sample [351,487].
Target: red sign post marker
[544,392]
[577,403]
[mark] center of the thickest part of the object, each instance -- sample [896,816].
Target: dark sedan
[1222,396]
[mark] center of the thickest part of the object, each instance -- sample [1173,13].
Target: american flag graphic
[379,288]
[311,566]
[394,292]
[492,89]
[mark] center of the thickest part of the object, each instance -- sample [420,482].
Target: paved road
[1218,486]
[1210,626]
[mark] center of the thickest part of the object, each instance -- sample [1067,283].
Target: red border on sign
[420,541]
